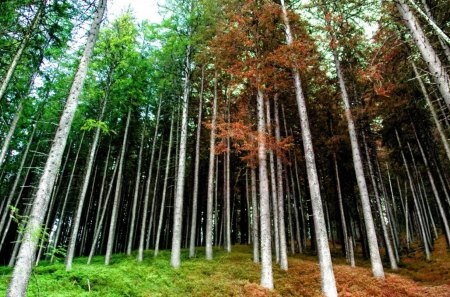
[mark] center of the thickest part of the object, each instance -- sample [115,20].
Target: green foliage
[93,124]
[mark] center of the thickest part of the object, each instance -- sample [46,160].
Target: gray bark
[115,210]
[163,198]
[435,65]
[328,282]
[341,209]
[8,137]
[209,201]
[196,170]
[255,216]
[22,270]
[179,193]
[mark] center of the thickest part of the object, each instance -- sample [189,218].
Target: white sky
[142,9]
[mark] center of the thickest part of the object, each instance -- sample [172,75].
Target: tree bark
[435,65]
[22,270]
[255,216]
[341,209]
[8,137]
[209,201]
[179,193]
[115,210]
[196,171]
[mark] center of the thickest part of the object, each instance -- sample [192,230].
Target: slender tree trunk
[102,188]
[421,223]
[247,200]
[297,220]
[22,270]
[178,201]
[23,44]
[280,194]
[16,180]
[228,217]
[387,240]
[196,171]
[99,226]
[328,282]
[273,187]
[115,210]
[266,250]
[435,191]
[140,255]
[136,194]
[377,265]
[8,137]
[84,187]
[209,201]
[302,213]
[163,198]
[341,209]
[435,65]
[255,216]
[152,223]
[439,127]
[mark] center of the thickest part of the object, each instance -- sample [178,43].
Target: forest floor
[234,275]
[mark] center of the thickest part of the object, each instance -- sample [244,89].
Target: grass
[231,275]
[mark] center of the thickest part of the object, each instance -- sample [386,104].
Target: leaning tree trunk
[23,44]
[439,127]
[377,265]
[84,187]
[328,282]
[22,270]
[209,201]
[136,194]
[444,45]
[8,137]
[115,210]
[435,65]
[196,170]
[178,203]
[266,241]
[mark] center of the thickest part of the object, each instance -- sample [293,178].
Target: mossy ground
[233,275]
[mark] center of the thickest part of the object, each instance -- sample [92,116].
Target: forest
[234,148]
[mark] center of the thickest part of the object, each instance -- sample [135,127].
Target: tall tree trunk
[152,223]
[8,137]
[387,240]
[22,269]
[435,191]
[328,282]
[179,193]
[435,65]
[23,44]
[280,194]
[255,216]
[140,255]
[273,184]
[411,184]
[439,127]
[341,208]
[444,45]
[163,198]
[84,187]
[115,210]
[102,188]
[209,201]
[266,250]
[136,194]
[377,265]
[196,171]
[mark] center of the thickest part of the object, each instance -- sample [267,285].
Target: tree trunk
[209,201]
[136,195]
[328,282]
[163,198]
[280,194]
[115,210]
[196,171]
[84,187]
[435,65]
[140,256]
[411,184]
[341,209]
[377,265]
[12,66]
[255,216]
[266,250]
[179,193]
[8,137]
[22,270]
[152,222]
